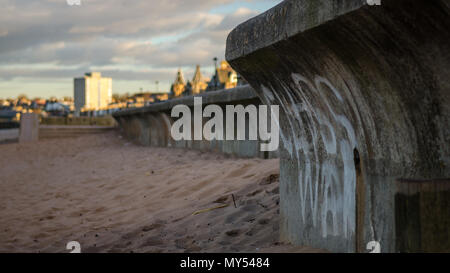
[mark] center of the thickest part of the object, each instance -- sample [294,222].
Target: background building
[178,86]
[224,78]
[198,82]
[92,92]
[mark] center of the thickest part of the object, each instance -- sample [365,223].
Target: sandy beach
[114,196]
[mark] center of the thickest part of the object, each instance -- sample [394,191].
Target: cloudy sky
[44,44]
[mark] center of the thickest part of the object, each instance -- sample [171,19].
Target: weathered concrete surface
[151,125]
[29,127]
[364,93]
[422,211]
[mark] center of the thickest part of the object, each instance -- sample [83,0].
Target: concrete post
[29,127]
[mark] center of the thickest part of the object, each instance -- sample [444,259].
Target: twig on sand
[206,210]
[234,201]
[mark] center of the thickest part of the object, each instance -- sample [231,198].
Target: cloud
[123,37]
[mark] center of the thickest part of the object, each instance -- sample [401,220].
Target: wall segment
[151,125]
[364,95]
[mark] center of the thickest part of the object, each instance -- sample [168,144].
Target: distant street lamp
[215,73]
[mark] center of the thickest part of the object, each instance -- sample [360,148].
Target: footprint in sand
[254,193]
[233,232]
[239,172]
[170,192]
[201,184]
[153,226]
[153,241]
[269,179]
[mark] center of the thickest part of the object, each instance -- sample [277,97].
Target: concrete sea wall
[31,130]
[79,121]
[64,131]
[151,125]
[364,95]
[9,135]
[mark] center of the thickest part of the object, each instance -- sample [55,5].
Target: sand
[113,196]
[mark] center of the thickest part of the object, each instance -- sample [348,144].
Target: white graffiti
[320,138]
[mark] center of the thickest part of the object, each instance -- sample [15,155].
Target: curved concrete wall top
[284,21]
[364,95]
[151,125]
[229,96]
